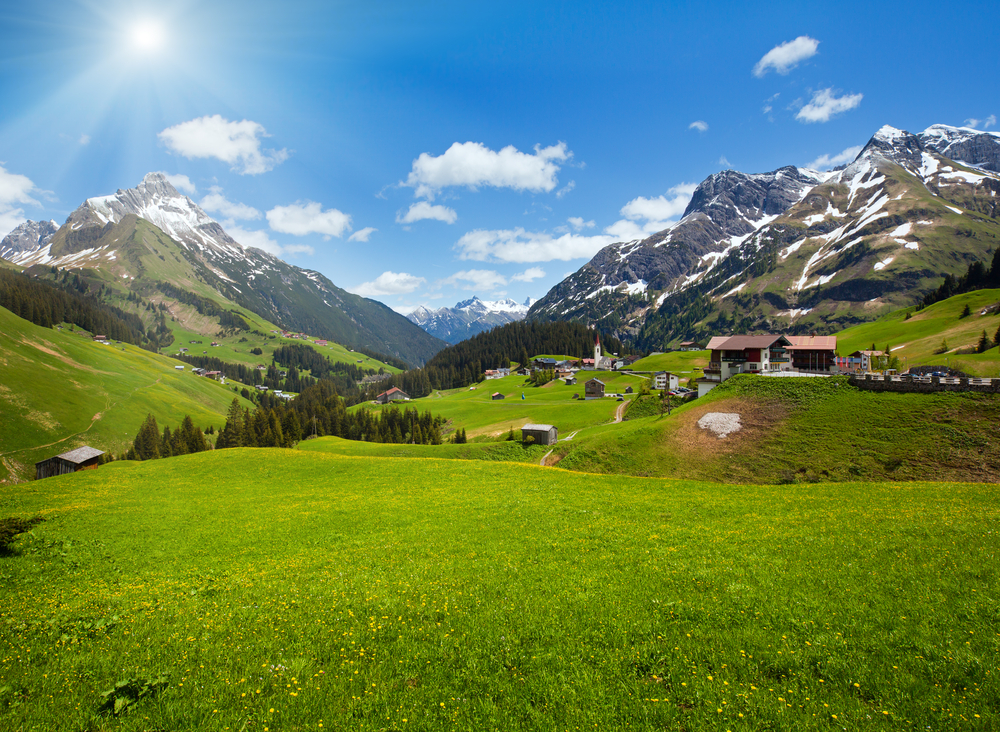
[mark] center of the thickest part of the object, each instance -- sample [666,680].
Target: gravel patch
[721,423]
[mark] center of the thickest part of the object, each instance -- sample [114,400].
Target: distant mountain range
[797,250]
[159,241]
[468,317]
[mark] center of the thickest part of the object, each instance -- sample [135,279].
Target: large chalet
[767,355]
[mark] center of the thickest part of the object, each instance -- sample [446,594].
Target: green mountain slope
[61,390]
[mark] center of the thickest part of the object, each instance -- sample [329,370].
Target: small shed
[496,396]
[392,395]
[593,389]
[542,434]
[628,389]
[82,458]
[570,381]
[178,368]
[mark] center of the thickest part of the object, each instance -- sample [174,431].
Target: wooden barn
[542,434]
[82,458]
[495,396]
[593,389]
[392,395]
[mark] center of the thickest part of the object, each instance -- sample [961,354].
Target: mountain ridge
[211,261]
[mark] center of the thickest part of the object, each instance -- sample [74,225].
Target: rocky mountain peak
[898,146]
[965,145]
[26,238]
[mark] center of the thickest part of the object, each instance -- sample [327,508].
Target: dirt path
[569,437]
[542,461]
[620,412]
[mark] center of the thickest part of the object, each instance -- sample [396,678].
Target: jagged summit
[156,200]
[27,238]
[468,317]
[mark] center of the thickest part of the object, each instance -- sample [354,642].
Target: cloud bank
[235,143]
[300,219]
[472,164]
[825,162]
[14,189]
[389,283]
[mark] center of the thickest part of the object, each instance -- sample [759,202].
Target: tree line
[976,277]
[47,305]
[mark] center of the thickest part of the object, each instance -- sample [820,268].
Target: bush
[11,527]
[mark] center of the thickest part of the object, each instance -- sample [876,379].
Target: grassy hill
[271,589]
[916,339]
[802,430]
[61,390]
[686,364]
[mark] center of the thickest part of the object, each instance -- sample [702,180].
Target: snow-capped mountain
[26,238]
[158,239]
[468,317]
[797,249]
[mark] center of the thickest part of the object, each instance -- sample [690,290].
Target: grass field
[686,364]
[553,403]
[280,590]
[60,390]
[505,451]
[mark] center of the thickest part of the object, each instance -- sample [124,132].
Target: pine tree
[984,343]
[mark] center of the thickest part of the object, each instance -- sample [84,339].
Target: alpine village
[737,473]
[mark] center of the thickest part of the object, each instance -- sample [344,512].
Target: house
[179,368]
[392,395]
[100,338]
[82,458]
[859,362]
[541,434]
[570,381]
[691,346]
[496,396]
[813,353]
[320,343]
[260,387]
[665,380]
[217,375]
[215,343]
[545,363]
[767,355]
[593,389]
[628,389]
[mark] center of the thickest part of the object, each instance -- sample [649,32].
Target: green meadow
[60,390]
[481,416]
[285,590]
[916,340]
[686,364]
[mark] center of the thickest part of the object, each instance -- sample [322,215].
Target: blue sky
[425,152]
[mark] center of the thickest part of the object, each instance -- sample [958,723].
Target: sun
[148,36]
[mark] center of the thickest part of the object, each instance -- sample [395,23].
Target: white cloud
[14,189]
[300,219]
[84,139]
[236,143]
[724,162]
[528,275]
[255,239]
[579,224]
[362,234]
[566,189]
[422,210]
[986,123]
[826,104]
[472,164]
[215,202]
[646,216]
[482,280]
[786,56]
[389,283]
[699,125]
[825,162]
[518,245]
[180,182]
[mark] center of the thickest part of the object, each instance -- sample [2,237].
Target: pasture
[280,590]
